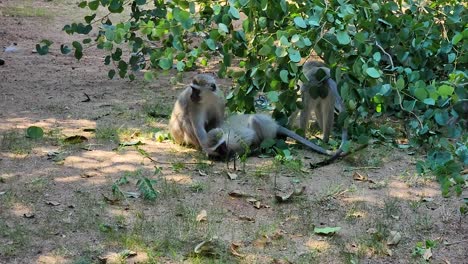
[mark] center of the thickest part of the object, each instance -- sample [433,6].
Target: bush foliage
[403,59]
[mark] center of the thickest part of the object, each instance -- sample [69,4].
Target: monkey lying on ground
[198,109]
[241,133]
[320,94]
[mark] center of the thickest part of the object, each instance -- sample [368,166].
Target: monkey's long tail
[305,142]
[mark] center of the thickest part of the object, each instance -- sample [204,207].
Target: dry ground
[60,209]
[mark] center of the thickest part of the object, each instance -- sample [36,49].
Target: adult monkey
[240,133]
[320,94]
[198,109]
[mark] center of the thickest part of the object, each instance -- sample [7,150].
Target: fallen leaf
[202,216]
[427,199]
[89,174]
[131,143]
[261,242]
[2,193]
[371,231]
[389,252]
[427,254]
[53,203]
[111,201]
[359,177]
[234,248]
[247,218]
[206,247]
[238,193]
[28,215]
[132,194]
[232,176]
[202,173]
[394,238]
[76,139]
[127,253]
[286,197]
[396,217]
[327,231]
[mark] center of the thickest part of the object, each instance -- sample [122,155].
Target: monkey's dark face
[222,152]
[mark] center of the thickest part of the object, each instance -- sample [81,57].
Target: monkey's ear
[195,96]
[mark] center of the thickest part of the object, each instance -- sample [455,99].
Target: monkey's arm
[338,100]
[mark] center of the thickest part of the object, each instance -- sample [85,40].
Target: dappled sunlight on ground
[319,245]
[402,191]
[179,178]
[50,259]
[20,209]
[67,126]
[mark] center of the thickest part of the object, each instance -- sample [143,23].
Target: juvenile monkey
[240,133]
[198,109]
[320,95]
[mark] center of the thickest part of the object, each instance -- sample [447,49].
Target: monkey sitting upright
[198,109]
[241,133]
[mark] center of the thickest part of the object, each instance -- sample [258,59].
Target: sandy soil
[60,209]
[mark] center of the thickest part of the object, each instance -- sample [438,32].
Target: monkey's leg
[327,113]
[307,102]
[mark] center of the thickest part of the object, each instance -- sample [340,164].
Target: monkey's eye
[213,87]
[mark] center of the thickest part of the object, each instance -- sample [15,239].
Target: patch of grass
[16,239]
[423,222]
[16,142]
[391,208]
[331,191]
[108,133]
[178,166]
[156,110]
[169,189]
[375,243]
[26,10]
[197,187]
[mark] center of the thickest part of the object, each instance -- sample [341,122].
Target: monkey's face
[217,146]
[203,86]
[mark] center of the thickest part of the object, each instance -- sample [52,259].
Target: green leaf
[400,84]
[116,6]
[377,57]
[326,230]
[93,5]
[78,50]
[273,96]
[64,49]
[42,49]
[83,4]
[373,72]
[457,38]
[165,63]
[299,22]
[284,76]
[281,52]
[445,90]
[343,37]
[211,44]
[111,74]
[223,28]
[294,55]
[34,132]
[149,76]
[265,50]
[234,12]
[441,117]
[90,18]
[429,101]
[145,186]
[140,2]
